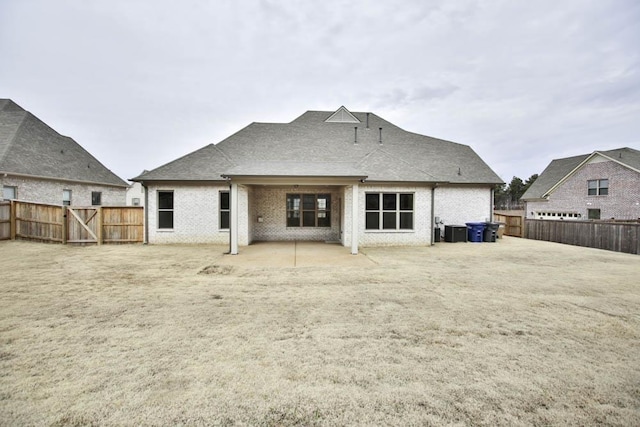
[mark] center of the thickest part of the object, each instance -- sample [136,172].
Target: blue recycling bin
[474,231]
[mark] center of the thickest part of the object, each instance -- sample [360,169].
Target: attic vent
[342,115]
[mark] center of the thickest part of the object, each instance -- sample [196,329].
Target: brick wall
[270,204]
[421,233]
[49,191]
[195,215]
[457,205]
[622,202]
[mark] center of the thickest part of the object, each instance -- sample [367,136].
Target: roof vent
[380,135]
[355,138]
[367,120]
[342,115]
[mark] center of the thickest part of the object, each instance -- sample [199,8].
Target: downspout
[433,215]
[491,207]
[146,213]
[230,222]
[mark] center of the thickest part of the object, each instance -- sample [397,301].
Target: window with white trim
[66,197]
[308,210]
[96,198]
[598,187]
[9,193]
[389,211]
[165,209]
[224,210]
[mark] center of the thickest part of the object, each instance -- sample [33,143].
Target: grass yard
[517,332]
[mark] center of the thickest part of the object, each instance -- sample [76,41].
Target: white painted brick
[50,191]
[196,214]
[457,205]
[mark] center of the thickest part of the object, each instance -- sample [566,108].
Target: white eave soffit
[342,115]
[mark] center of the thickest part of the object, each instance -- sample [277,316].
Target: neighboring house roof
[326,144]
[560,169]
[29,147]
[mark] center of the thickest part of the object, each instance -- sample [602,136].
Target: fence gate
[83,225]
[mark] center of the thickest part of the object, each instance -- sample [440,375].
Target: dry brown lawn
[511,333]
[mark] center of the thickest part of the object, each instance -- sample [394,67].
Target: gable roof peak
[342,115]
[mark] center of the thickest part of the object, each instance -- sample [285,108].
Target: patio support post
[233,232]
[354,220]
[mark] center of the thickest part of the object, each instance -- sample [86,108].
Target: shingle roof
[30,147]
[560,168]
[311,146]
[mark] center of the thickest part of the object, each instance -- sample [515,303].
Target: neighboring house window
[9,193]
[389,211]
[598,187]
[66,197]
[593,213]
[135,201]
[165,209]
[308,210]
[96,198]
[224,210]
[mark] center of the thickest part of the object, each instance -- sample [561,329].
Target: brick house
[37,164]
[352,178]
[600,185]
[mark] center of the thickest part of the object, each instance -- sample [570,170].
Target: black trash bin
[490,231]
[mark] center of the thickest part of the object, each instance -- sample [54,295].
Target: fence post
[12,219]
[99,230]
[65,226]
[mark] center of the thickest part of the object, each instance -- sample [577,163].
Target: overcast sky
[141,83]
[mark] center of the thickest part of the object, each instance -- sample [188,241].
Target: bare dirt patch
[513,333]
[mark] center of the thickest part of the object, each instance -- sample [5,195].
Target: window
[135,201]
[598,187]
[96,198]
[224,210]
[308,210]
[165,209]
[66,197]
[389,211]
[593,213]
[9,193]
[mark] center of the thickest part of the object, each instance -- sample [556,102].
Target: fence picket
[68,224]
[612,236]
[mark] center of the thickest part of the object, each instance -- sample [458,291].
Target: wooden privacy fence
[5,220]
[513,224]
[612,236]
[71,224]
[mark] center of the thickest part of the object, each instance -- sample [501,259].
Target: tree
[508,196]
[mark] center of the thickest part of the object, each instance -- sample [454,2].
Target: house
[352,178]
[600,185]
[37,164]
[135,195]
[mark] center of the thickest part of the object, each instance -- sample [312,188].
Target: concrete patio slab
[295,254]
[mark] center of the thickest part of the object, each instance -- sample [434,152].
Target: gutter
[53,178]
[146,213]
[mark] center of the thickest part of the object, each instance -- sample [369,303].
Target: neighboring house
[135,195]
[600,185]
[37,164]
[352,178]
